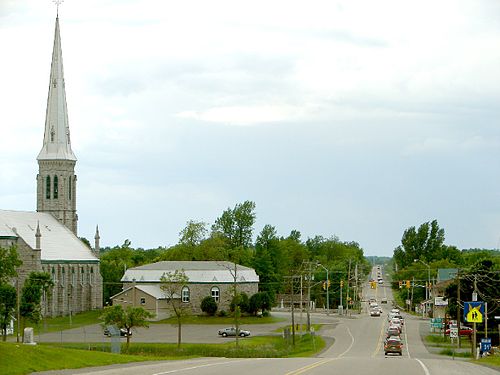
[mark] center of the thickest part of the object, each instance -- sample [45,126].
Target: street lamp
[327,291]
[427,291]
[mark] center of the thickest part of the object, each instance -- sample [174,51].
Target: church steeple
[56,180]
[56,139]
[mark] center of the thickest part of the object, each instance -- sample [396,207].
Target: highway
[357,349]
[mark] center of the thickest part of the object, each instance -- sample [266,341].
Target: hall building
[47,240]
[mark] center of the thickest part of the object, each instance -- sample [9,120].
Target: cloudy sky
[349,118]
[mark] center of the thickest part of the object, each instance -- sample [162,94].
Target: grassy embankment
[23,359]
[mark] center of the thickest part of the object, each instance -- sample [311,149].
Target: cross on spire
[58,2]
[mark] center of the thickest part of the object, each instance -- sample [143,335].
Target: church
[47,240]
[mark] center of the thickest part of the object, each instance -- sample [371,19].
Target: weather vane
[57,2]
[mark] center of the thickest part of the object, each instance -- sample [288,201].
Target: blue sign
[485,345]
[473,312]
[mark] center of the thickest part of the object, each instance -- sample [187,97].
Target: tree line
[230,238]
[423,251]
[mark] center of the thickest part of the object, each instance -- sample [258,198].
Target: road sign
[473,312]
[485,345]
[453,333]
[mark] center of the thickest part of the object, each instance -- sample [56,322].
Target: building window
[185,294]
[72,275]
[53,275]
[143,301]
[47,187]
[215,293]
[91,275]
[56,187]
[82,274]
[69,187]
[62,275]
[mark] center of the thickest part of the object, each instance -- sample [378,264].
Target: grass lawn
[225,320]
[61,323]
[491,361]
[24,359]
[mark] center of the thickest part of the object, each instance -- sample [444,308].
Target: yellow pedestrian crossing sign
[473,312]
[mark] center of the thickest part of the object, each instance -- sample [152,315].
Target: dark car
[393,345]
[123,332]
[231,331]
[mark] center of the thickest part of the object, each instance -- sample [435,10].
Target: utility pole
[293,307]
[18,310]
[473,324]
[347,290]
[458,307]
[309,298]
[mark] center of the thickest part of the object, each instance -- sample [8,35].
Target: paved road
[358,349]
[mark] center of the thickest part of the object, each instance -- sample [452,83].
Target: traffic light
[400,284]
[408,284]
[341,283]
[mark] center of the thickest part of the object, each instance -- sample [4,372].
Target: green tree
[34,287]
[193,233]
[9,262]
[236,225]
[241,300]
[209,306]
[129,318]
[8,299]
[172,284]
[425,244]
[260,301]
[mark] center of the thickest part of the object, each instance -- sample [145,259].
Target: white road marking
[407,346]
[201,366]
[426,370]
[352,342]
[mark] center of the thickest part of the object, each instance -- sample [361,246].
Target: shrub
[240,300]
[222,313]
[208,305]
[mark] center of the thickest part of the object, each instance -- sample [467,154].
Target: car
[374,312]
[123,332]
[464,331]
[384,300]
[393,331]
[231,331]
[393,345]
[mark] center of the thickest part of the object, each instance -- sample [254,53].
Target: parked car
[464,331]
[123,332]
[231,331]
[393,345]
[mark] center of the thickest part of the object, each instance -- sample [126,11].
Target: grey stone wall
[77,288]
[63,208]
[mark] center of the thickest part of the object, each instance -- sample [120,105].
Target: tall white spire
[56,139]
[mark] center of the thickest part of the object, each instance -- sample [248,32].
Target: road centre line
[310,367]
[379,343]
[426,370]
[205,365]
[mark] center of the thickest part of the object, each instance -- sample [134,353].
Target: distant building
[141,285]
[47,239]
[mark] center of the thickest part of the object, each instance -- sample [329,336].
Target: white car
[231,331]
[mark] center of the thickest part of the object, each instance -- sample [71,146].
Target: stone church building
[46,240]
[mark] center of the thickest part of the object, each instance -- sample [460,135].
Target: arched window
[69,187]
[185,294]
[53,275]
[72,275]
[47,187]
[215,293]
[56,187]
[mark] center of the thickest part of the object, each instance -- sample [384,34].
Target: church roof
[58,243]
[196,271]
[56,138]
